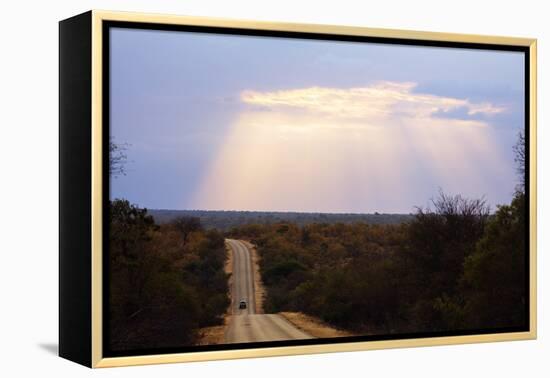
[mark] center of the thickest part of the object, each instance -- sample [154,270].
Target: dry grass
[213,335]
[259,290]
[313,326]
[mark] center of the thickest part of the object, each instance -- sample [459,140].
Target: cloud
[377,148]
[371,103]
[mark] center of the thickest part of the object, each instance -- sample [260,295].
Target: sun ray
[348,150]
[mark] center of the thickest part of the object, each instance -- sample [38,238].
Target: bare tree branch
[519,150]
[117,159]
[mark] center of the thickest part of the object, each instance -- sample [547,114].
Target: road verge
[313,326]
[259,290]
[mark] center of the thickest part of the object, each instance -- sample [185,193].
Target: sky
[220,122]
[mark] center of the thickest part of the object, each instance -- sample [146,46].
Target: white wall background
[28,185]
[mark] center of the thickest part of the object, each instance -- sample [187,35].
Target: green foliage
[164,281]
[453,266]
[438,241]
[207,277]
[494,275]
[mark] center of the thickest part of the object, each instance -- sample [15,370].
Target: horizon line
[283,211]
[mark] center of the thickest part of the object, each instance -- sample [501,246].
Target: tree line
[225,220]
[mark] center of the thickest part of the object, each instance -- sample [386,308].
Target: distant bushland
[226,220]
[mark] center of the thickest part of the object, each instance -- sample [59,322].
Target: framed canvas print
[236,189]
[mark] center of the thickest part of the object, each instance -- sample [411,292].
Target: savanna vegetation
[165,281]
[454,266]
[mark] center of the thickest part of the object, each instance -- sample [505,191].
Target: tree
[130,226]
[494,275]
[117,159]
[519,151]
[186,225]
[149,306]
[159,297]
[439,240]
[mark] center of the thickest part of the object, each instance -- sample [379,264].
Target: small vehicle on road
[242,304]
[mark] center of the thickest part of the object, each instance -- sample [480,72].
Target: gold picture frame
[92,24]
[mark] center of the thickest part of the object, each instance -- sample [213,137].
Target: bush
[164,281]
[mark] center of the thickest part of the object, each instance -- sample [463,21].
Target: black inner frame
[107,25]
